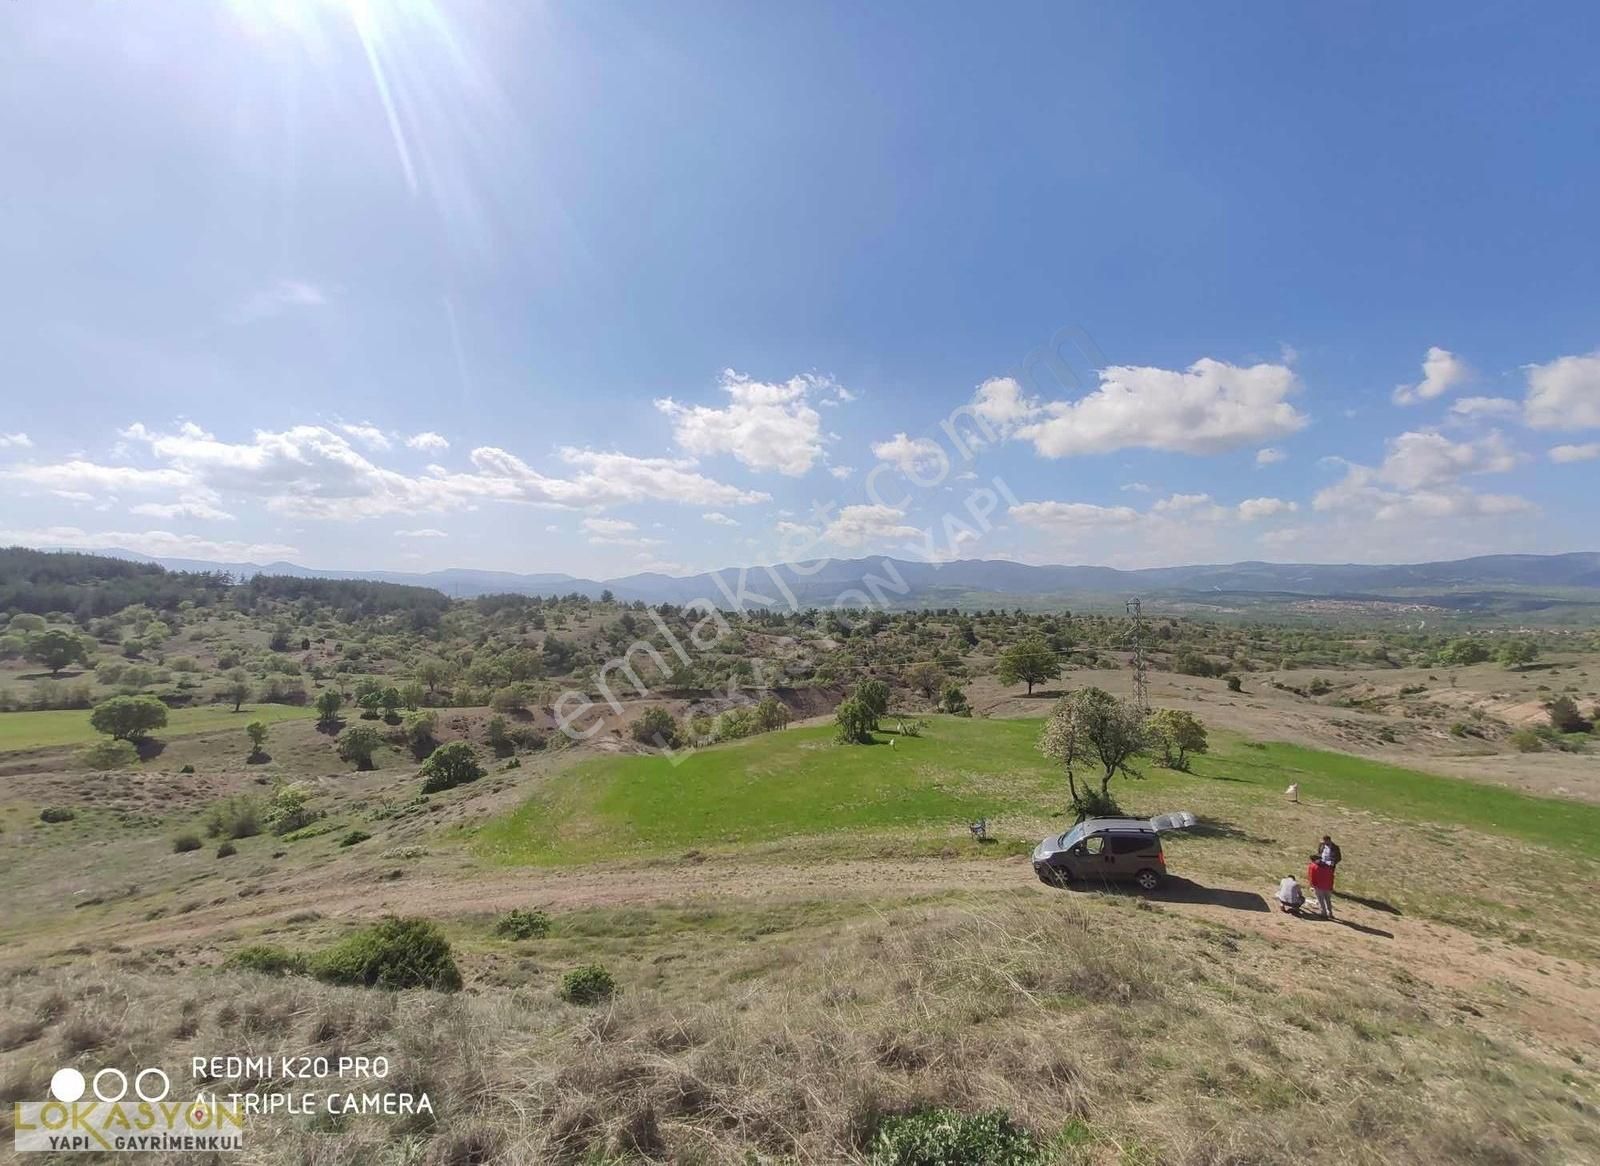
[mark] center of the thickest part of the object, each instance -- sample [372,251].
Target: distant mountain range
[1460,583]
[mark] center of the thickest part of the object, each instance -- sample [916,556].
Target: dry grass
[1126,1033]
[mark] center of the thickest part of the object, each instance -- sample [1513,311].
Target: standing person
[1320,875]
[1328,853]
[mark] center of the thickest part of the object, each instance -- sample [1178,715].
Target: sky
[614,287]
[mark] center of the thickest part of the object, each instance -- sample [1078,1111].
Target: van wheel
[1147,879]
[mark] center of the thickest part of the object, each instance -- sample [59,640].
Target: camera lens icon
[110,1085]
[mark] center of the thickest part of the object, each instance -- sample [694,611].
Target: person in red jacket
[1320,876]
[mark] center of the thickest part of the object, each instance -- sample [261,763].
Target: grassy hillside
[56,727]
[799,783]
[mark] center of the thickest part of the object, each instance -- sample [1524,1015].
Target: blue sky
[612,287]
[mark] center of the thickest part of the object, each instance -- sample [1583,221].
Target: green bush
[1527,741]
[449,766]
[184,843]
[56,814]
[656,727]
[393,953]
[943,1137]
[128,717]
[288,811]
[104,755]
[234,817]
[354,837]
[227,850]
[268,959]
[1091,803]
[186,769]
[589,984]
[522,924]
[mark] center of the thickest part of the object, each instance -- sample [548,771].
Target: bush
[103,755]
[499,740]
[854,723]
[355,837]
[449,766]
[128,718]
[56,814]
[358,743]
[953,700]
[227,850]
[288,811]
[1527,741]
[1565,717]
[522,924]
[589,984]
[184,843]
[1233,682]
[943,1137]
[656,727]
[1093,803]
[268,959]
[186,769]
[393,953]
[234,817]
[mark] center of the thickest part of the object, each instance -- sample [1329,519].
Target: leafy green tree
[257,732]
[128,718]
[656,727]
[449,766]
[1518,653]
[328,704]
[874,697]
[771,714]
[954,700]
[1028,662]
[1091,728]
[1565,717]
[370,703]
[1465,651]
[499,739]
[391,701]
[926,677]
[411,695]
[432,672]
[1177,734]
[358,743]
[855,722]
[237,689]
[55,649]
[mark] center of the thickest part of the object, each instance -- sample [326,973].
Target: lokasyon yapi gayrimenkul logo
[111,1113]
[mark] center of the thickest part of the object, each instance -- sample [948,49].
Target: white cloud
[1473,407]
[1254,509]
[91,477]
[719,519]
[1210,407]
[615,532]
[1575,453]
[1564,394]
[422,532]
[1419,478]
[1269,456]
[313,471]
[192,509]
[161,543]
[427,441]
[917,458]
[368,434]
[15,441]
[841,472]
[764,426]
[1442,371]
[1073,517]
[283,296]
[858,525]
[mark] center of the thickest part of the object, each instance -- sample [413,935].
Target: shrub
[449,766]
[943,1137]
[1565,717]
[288,811]
[499,740]
[589,984]
[233,817]
[56,814]
[184,843]
[103,755]
[735,725]
[269,959]
[186,769]
[358,743]
[954,700]
[354,838]
[393,953]
[328,703]
[257,732]
[1178,734]
[1093,803]
[522,924]
[1233,682]
[874,695]
[656,727]
[1527,741]
[854,722]
[1190,663]
[128,718]
[227,850]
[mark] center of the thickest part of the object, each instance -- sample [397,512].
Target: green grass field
[798,783]
[71,726]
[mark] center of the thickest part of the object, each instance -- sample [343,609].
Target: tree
[432,672]
[771,714]
[926,677]
[391,700]
[370,703]
[1092,728]
[954,700]
[874,697]
[655,726]
[1518,654]
[449,766]
[358,743]
[411,695]
[1178,734]
[1465,651]
[128,718]
[855,722]
[1028,662]
[237,690]
[328,704]
[55,649]
[1565,717]
[257,732]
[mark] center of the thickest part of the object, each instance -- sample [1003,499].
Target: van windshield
[1070,837]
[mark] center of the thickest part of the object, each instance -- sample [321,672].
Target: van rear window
[1131,843]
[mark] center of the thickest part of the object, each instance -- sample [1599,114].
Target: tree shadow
[258,757]
[149,748]
[1043,693]
[1220,828]
[1383,905]
[332,728]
